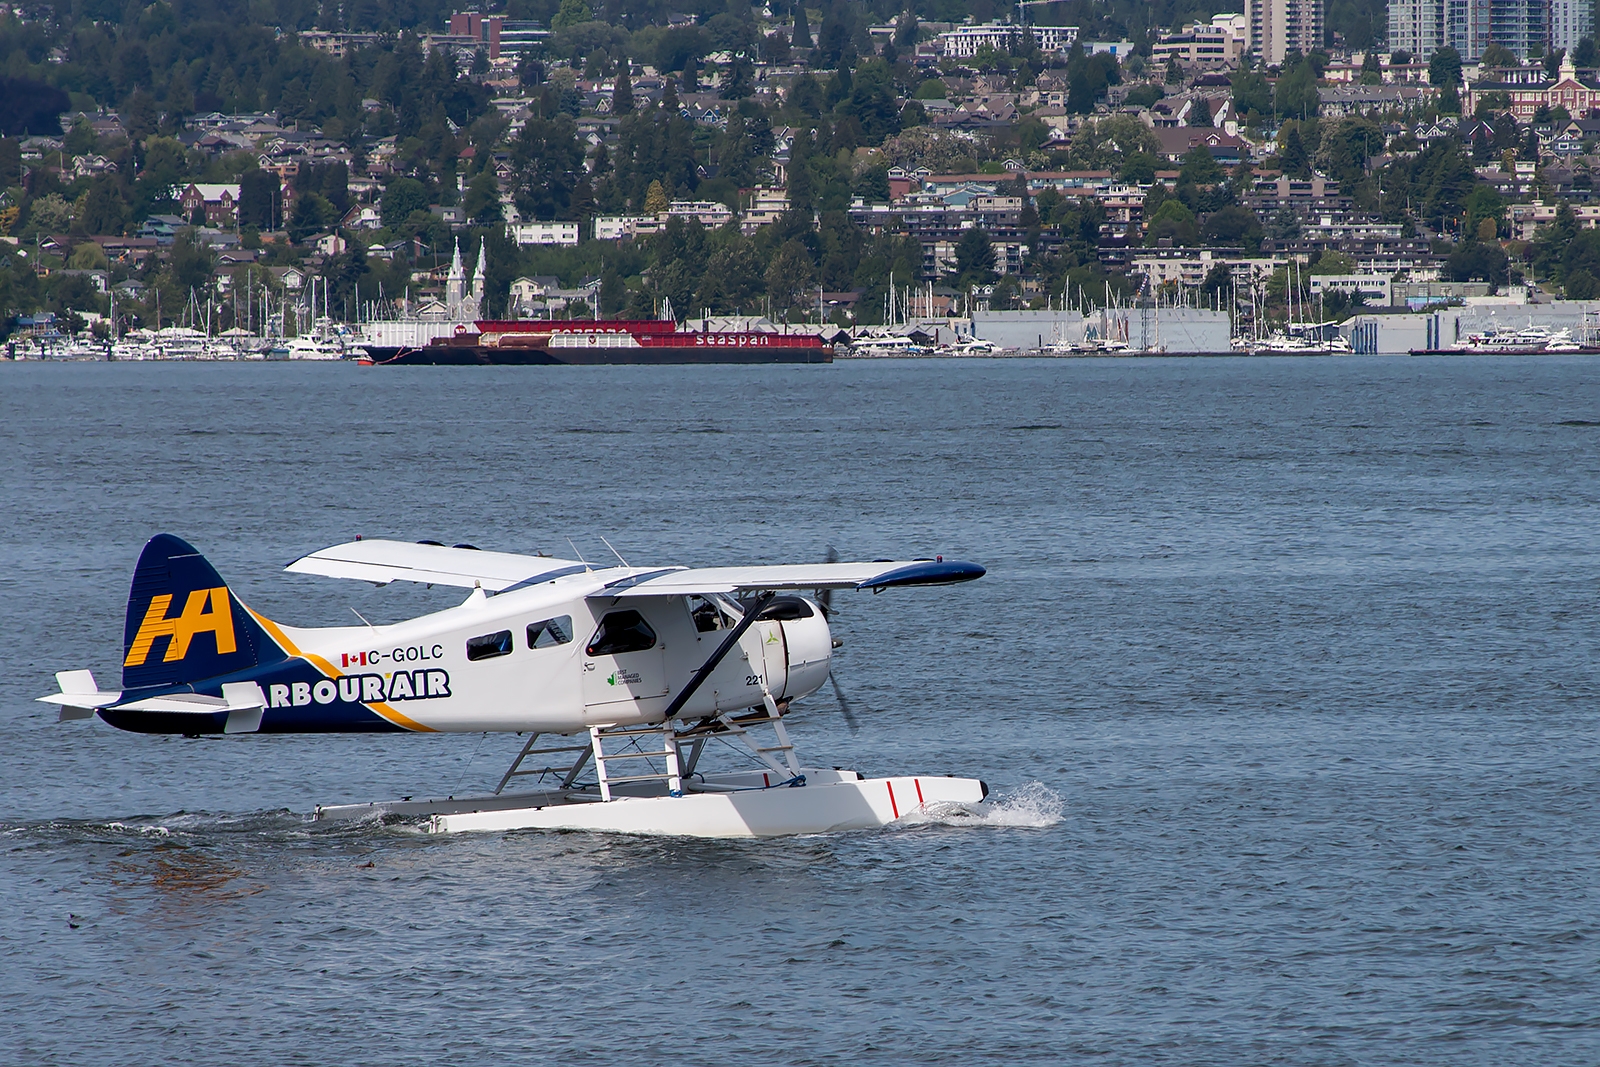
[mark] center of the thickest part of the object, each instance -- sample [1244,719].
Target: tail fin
[183,624]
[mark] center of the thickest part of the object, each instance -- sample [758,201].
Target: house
[363,217]
[92,165]
[164,228]
[1227,149]
[330,244]
[1527,96]
[543,233]
[292,279]
[526,290]
[220,201]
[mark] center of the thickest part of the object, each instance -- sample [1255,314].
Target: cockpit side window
[621,632]
[550,632]
[707,618]
[489,645]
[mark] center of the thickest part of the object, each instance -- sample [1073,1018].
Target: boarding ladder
[636,736]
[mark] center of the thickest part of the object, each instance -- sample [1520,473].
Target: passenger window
[550,632]
[707,618]
[621,632]
[489,645]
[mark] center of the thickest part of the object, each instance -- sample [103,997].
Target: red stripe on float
[918,783]
[892,805]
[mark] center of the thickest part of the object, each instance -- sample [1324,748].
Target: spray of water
[1033,806]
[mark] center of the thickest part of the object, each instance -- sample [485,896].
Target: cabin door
[623,661]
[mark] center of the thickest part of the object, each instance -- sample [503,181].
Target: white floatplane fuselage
[650,663]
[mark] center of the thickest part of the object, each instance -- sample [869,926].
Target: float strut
[723,649]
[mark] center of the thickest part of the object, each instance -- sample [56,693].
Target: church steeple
[455,283]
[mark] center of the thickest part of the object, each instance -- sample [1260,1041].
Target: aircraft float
[625,679]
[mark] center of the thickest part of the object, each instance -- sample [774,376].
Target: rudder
[183,624]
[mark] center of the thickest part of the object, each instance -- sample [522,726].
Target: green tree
[1444,67]
[801,38]
[571,13]
[1174,222]
[1252,96]
[975,257]
[1292,157]
[260,199]
[403,197]
[1200,167]
[101,209]
[622,95]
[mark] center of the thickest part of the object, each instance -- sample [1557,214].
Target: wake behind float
[680,668]
[550,342]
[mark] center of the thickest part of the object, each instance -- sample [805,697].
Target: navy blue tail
[183,624]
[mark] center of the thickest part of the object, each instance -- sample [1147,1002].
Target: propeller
[825,602]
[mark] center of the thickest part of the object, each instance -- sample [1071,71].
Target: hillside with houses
[796,163]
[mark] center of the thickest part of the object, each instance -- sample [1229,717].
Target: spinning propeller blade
[825,602]
[844,705]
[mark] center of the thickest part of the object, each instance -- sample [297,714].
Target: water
[1284,672]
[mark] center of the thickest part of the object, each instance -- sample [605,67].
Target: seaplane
[635,686]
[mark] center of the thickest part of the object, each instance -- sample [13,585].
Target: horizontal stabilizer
[884,574]
[382,562]
[80,696]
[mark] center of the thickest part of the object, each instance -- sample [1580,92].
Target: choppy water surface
[1284,670]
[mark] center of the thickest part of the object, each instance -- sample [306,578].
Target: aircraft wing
[382,562]
[882,574]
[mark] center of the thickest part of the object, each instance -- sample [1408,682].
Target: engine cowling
[797,663]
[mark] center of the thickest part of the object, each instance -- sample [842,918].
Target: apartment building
[1278,27]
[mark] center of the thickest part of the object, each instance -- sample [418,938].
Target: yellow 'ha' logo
[206,611]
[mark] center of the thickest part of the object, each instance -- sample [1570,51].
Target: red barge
[549,342]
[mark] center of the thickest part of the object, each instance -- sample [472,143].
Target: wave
[1034,806]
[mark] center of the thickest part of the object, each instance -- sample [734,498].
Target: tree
[1252,96]
[1371,69]
[1477,260]
[50,214]
[791,276]
[1496,55]
[655,200]
[1172,222]
[1140,168]
[260,199]
[101,209]
[801,38]
[975,257]
[400,199]
[1174,73]
[1585,54]
[1399,58]
[622,96]
[1296,94]
[1292,157]
[571,13]
[1233,225]
[1200,113]
[1200,167]
[1444,68]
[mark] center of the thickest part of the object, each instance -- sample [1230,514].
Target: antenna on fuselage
[363,618]
[614,552]
[575,552]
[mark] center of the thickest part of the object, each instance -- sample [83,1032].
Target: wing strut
[723,649]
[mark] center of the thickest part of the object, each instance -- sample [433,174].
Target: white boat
[1529,340]
[313,348]
[889,346]
[971,346]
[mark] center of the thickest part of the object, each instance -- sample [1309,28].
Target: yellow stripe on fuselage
[329,669]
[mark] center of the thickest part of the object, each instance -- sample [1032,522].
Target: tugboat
[549,342]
